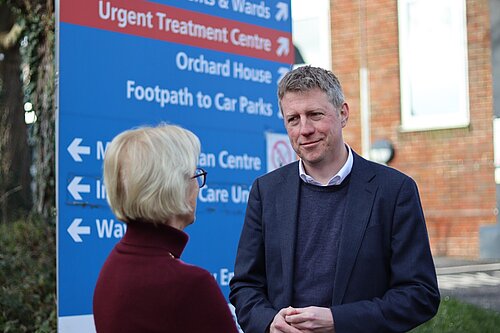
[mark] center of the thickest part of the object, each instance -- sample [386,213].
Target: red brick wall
[453,167]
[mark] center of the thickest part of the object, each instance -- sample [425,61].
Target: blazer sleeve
[248,285]
[412,296]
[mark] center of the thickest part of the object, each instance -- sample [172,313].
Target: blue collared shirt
[335,180]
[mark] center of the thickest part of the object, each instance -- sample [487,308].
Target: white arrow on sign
[75,188]
[75,149]
[75,230]
[284,47]
[282,14]
[282,71]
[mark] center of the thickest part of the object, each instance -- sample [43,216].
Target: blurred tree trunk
[39,57]
[15,157]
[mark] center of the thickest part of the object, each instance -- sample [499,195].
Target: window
[433,62]
[311,31]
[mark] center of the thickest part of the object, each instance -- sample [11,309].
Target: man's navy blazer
[385,279]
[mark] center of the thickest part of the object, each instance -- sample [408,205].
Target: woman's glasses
[201,177]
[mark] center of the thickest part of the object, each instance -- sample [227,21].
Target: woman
[152,184]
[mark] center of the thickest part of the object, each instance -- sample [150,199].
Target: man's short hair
[147,172]
[305,78]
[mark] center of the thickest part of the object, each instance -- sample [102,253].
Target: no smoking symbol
[281,154]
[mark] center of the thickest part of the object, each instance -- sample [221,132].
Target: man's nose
[306,127]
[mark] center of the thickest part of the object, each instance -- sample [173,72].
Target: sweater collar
[150,235]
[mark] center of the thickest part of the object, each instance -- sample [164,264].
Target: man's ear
[344,114]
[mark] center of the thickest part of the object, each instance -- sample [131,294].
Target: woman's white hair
[147,172]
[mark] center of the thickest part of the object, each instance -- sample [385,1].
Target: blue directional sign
[210,66]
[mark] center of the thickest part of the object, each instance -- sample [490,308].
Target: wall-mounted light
[382,151]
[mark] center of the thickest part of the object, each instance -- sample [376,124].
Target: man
[332,242]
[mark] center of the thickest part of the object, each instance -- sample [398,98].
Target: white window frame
[454,112]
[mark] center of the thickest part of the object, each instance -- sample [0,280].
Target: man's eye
[316,115]
[292,120]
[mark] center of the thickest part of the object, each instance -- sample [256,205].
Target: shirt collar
[335,180]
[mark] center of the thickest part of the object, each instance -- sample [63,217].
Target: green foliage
[457,317]
[28,277]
